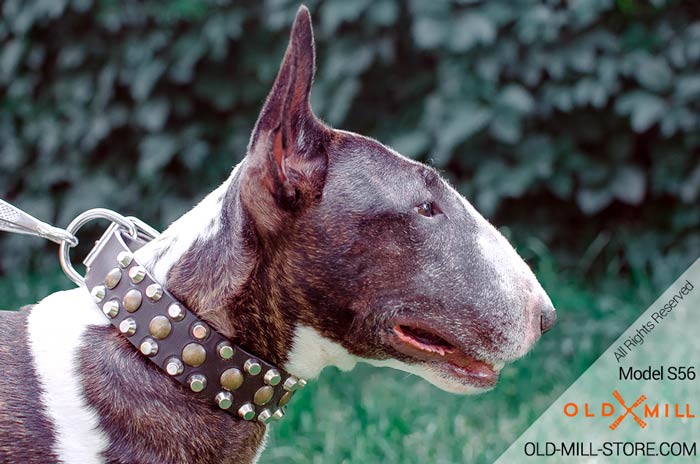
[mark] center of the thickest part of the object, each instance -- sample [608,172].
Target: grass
[374,415]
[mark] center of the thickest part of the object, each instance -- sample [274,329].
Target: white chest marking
[56,326]
[55,329]
[311,352]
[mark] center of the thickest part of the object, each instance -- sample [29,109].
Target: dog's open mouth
[425,345]
[423,340]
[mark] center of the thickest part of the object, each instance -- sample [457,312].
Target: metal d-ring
[76,224]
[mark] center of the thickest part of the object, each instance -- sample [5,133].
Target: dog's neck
[211,260]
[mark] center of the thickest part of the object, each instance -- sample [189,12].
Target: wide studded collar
[177,341]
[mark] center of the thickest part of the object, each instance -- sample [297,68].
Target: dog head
[377,253]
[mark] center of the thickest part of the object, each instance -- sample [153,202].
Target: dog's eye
[426,209]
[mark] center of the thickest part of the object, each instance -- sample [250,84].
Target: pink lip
[415,343]
[443,355]
[481,375]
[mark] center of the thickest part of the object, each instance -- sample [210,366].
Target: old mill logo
[640,411]
[628,410]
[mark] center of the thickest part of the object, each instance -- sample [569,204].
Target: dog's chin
[461,380]
[454,383]
[440,362]
[443,377]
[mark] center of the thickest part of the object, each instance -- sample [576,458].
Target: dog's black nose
[548,317]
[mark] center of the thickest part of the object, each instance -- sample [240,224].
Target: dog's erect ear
[286,154]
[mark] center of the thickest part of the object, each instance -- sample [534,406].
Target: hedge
[574,123]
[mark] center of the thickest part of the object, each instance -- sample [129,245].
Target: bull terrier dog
[322,248]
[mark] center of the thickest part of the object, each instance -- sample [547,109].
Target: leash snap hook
[13,219]
[76,224]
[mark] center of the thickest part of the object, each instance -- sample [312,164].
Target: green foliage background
[573,123]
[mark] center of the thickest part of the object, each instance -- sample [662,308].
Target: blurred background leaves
[561,119]
[576,124]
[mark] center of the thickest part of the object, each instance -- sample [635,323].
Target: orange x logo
[628,410]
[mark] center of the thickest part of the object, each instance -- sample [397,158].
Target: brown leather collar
[177,341]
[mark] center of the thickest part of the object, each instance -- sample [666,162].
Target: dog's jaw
[312,352]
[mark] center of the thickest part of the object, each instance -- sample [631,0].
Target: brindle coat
[317,228]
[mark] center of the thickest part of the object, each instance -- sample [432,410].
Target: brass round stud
[174,366]
[224,400]
[113,277]
[197,382]
[194,354]
[200,330]
[124,258]
[272,377]
[252,366]
[263,395]
[246,412]
[132,300]
[149,347]
[301,383]
[98,293]
[128,326]
[278,414]
[111,308]
[160,327]
[154,292]
[137,274]
[225,350]
[285,399]
[265,416]
[176,312]
[291,384]
[231,379]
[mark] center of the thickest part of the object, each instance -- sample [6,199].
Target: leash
[160,327]
[15,220]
